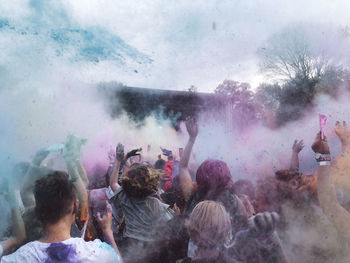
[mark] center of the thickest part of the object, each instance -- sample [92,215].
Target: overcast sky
[192,42]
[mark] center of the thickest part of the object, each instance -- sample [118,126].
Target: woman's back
[143,216]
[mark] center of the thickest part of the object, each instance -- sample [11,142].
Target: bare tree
[288,55]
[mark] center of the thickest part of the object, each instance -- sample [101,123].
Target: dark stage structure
[139,103]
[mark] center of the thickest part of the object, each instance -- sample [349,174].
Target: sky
[55,52]
[180,43]
[186,50]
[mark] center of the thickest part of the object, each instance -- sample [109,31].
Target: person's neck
[57,232]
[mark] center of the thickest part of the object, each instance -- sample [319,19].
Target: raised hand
[111,155]
[319,145]
[134,152]
[192,127]
[119,152]
[342,131]
[298,146]
[72,146]
[40,156]
[263,224]
[105,221]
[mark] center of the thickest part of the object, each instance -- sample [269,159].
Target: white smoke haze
[261,151]
[181,32]
[48,84]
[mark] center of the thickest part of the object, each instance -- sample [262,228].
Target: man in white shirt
[56,208]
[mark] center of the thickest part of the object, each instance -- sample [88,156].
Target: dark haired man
[56,208]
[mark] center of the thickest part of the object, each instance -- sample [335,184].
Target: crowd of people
[171,211]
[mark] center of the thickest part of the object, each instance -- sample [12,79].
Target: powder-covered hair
[209,225]
[141,180]
[244,187]
[212,177]
[286,175]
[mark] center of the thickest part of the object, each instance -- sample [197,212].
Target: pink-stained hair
[212,177]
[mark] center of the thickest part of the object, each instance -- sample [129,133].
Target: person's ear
[75,206]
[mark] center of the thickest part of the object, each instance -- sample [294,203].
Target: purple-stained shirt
[72,250]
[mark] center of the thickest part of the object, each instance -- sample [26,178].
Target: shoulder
[113,194]
[158,206]
[28,252]
[229,200]
[96,250]
[154,201]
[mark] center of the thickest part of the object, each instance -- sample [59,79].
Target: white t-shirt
[71,250]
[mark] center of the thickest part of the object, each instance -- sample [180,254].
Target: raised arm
[294,162]
[327,193]
[121,160]
[105,223]
[17,227]
[81,189]
[71,155]
[329,203]
[113,181]
[340,170]
[342,131]
[34,172]
[185,178]
[82,173]
[260,235]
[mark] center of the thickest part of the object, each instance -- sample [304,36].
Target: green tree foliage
[241,99]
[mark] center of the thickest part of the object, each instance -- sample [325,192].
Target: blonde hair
[209,225]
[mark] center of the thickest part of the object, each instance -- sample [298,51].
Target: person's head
[290,184]
[244,187]
[266,194]
[209,225]
[212,177]
[55,198]
[286,175]
[309,183]
[288,181]
[140,180]
[159,164]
